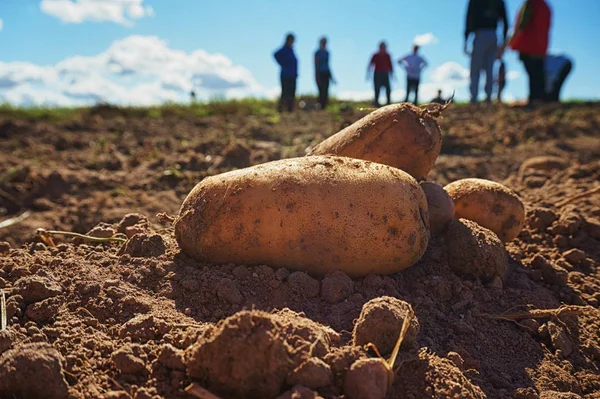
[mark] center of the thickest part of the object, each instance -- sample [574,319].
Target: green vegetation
[215,106]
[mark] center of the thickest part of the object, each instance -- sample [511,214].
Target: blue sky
[147,51]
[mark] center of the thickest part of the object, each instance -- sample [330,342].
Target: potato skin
[439,205]
[399,135]
[490,204]
[315,214]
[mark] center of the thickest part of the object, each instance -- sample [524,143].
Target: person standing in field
[557,68]
[482,21]
[381,64]
[530,39]
[323,73]
[414,64]
[286,58]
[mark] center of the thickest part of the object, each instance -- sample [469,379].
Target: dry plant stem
[164,218]
[565,310]
[15,220]
[403,330]
[83,236]
[3,310]
[199,392]
[578,196]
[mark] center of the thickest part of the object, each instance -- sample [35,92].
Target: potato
[315,214]
[400,135]
[490,204]
[440,207]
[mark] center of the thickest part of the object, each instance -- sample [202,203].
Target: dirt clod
[144,245]
[33,371]
[36,288]
[312,373]
[367,379]
[380,323]
[303,284]
[474,251]
[336,286]
[246,355]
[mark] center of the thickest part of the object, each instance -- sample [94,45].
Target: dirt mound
[142,320]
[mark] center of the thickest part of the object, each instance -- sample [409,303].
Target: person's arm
[370,67]
[391,67]
[504,20]
[423,63]
[469,23]
[277,56]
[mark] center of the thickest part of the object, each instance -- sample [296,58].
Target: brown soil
[143,320]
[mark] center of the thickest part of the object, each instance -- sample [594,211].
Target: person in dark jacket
[381,63]
[323,73]
[482,21]
[286,58]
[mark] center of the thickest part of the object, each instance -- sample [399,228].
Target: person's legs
[416,87]
[292,97]
[562,76]
[476,65]
[388,89]
[283,94]
[527,64]
[535,71]
[407,89]
[491,49]
[325,82]
[377,84]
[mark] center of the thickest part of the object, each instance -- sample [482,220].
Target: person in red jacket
[381,63]
[530,39]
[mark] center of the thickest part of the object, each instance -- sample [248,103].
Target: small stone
[541,218]
[496,283]
[4,247]
[303,284]
[36,288]
[171,357]
[228,291]
[126,360]
[336,286]
[367,379]
[560,241]
[300,392]
[560,338]
[574,256]
[312,373]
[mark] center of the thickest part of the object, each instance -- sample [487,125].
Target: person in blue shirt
[323,73]
[286,58]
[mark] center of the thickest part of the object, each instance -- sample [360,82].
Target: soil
[142,320]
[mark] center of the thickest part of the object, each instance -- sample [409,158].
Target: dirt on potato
[143,320]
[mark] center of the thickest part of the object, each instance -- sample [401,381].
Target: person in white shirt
[557,68]
[414,64]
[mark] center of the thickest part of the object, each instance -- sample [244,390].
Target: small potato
[440,207]
[314,214]
[490,204]
[400,135]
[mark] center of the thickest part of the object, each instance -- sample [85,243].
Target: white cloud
[450,72]
[355,95]
[136,70]
[425,39]
[123,12]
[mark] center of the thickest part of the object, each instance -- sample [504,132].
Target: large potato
[315,214]
[400,135]
[490,204]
